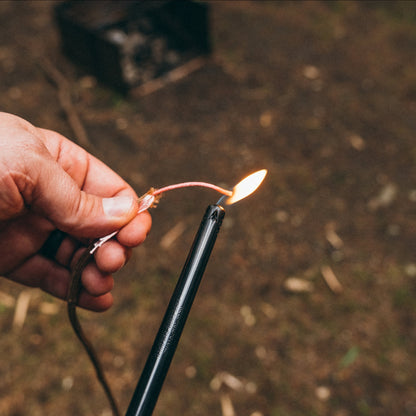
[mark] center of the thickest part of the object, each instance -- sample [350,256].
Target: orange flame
[247,186]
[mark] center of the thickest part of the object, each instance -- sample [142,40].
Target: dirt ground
[323,95]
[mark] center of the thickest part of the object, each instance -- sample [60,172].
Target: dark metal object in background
[128,43]
[167,338]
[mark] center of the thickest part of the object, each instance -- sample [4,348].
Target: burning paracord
[146,201]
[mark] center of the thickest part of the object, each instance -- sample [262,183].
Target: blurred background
[307,305]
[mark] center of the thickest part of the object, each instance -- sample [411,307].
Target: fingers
[135,232]
[60,181]
[54,279]
[20,238]
[92,200]
[51,183]
[66,250]
[95,304]
[114,254]
[89,173]
[53,275]
[77,212]
[95,282]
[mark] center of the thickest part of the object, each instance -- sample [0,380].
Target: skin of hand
[48,182]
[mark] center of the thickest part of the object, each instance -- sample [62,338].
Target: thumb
[79,213]
[45,172]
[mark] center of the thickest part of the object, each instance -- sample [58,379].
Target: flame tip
[247,186]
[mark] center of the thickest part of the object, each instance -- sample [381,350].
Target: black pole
[157,365]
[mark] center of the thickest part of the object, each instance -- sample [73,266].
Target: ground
[323,95]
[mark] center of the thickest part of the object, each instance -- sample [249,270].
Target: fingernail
[118,206]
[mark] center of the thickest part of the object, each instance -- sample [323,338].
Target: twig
[333,238]
[227,379]
[297,285]
[172,235]
[227,407]
[331,280]
[65,99]
[172,76]
[22,305]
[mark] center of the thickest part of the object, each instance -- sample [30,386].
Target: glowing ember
[247,186]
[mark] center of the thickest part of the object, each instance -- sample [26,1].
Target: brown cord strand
[73,295]
[72,299]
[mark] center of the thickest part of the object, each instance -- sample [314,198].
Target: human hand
[47,183]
